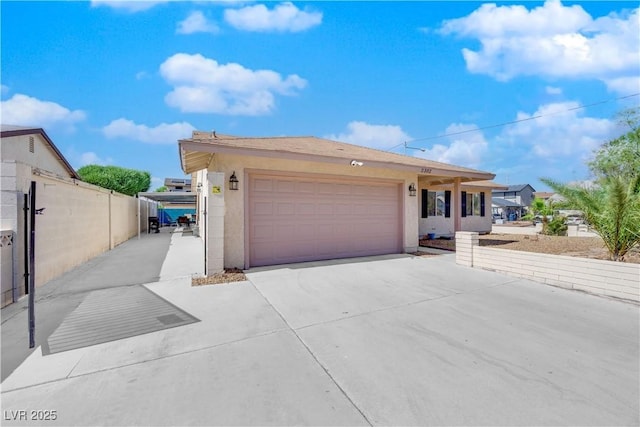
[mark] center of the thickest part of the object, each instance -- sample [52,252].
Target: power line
[515,121]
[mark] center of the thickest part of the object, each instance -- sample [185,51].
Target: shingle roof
[516,187]
[504,203]
[195,153]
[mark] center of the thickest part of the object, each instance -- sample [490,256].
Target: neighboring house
[514,200]
[178,184]
[291,199]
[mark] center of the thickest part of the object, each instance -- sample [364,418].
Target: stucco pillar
[215,228]
[411,219]
[457,205]
[465,241]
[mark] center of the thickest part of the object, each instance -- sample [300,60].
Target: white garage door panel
[294,219]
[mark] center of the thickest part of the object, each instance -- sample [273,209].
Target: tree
[162,189]
[612,208]
[620,156]
[122,180]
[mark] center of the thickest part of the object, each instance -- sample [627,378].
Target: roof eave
[190,145]
[57,153]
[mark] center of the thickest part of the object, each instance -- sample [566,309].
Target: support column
[457,203]
[215,228]
[465,241]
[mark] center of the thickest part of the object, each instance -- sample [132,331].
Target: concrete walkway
[390,340]
[133,262]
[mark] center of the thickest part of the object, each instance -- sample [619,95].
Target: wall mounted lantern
[412,189]
[199,188]
[233,181]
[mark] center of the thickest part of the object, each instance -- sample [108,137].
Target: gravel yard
[586,247]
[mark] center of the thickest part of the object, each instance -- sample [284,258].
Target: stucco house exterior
[307,198]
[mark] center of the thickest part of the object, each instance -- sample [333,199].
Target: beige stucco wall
[79,222]
[234,226]
[124,218]
[16,148]
[72,228]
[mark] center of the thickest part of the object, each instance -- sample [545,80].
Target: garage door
[296,218]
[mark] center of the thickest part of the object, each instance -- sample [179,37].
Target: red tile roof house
[306,198]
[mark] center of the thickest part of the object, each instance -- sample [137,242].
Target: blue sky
[119,82]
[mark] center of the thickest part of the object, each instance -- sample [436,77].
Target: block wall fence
[80,221]
[599,277]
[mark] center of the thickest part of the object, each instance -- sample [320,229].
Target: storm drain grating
[113,314]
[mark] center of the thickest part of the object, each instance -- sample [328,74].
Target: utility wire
[514,121]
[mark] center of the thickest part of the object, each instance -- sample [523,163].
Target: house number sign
[425,170]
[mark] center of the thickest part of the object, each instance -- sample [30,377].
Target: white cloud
[28,111]
[624,85]
[162,134]
[285,17]
[559,133]
[552,41]
[127,5]
[141,75]
[91,158]
[4,89]
[202,85]
[373,136]
[196,22]
[551,90]
[467,150]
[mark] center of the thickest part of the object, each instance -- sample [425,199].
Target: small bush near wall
[556,227]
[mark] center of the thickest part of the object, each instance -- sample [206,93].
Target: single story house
[276,200]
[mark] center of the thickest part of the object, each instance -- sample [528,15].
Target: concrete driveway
[395,340]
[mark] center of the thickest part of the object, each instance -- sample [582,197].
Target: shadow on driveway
[133,262]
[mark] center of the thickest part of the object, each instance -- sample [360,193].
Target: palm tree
[612,208]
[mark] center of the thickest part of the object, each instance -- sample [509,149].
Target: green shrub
[556,227]
[122,180]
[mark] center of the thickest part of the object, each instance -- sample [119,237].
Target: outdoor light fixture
[233,181]
[199,188]
[412,189]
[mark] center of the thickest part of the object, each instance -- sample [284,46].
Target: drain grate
[113,314]
[170,319]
